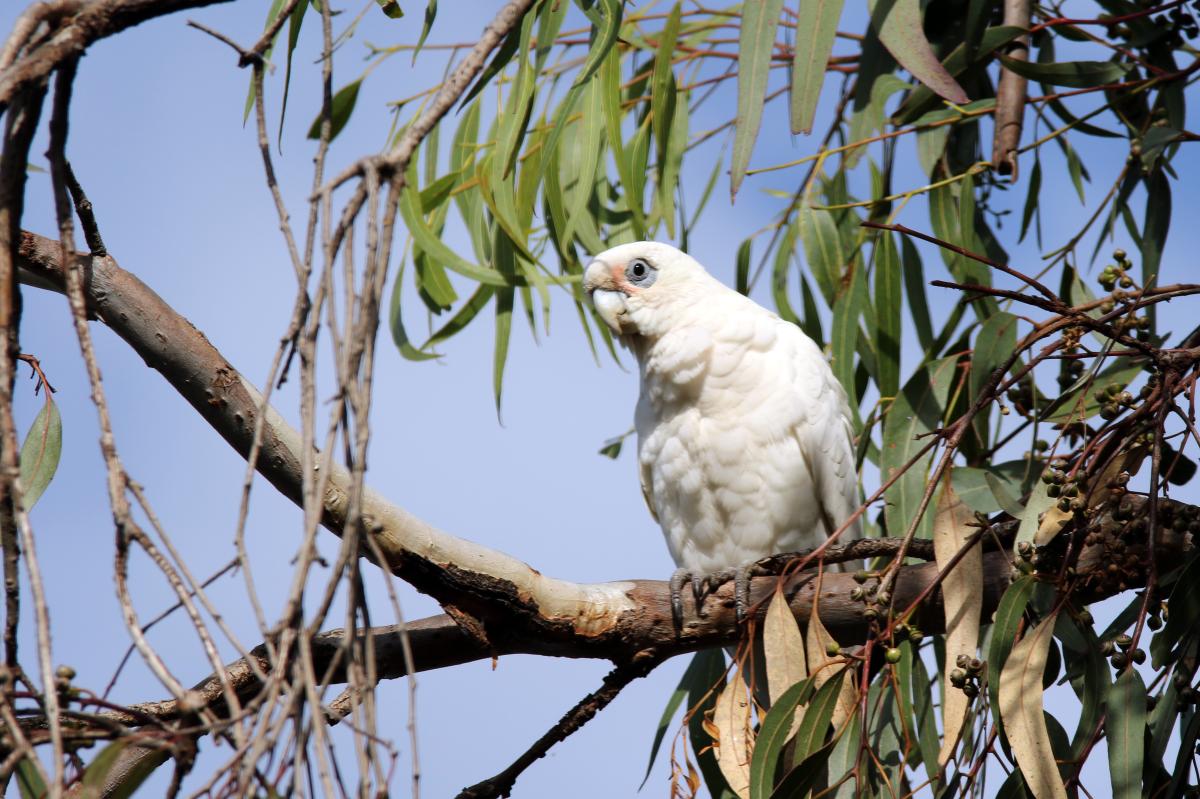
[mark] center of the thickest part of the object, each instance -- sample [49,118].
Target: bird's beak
[609,302]
[611,307]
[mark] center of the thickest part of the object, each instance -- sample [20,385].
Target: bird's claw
[703,583]
[741,591]
[678,578]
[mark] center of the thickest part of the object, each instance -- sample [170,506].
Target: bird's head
[633,284]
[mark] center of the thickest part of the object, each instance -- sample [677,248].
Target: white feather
[744,437]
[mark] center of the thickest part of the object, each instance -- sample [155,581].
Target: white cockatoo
[744,437]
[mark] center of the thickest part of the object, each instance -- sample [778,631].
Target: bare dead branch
[78,26]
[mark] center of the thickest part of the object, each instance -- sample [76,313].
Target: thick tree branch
[1010,95]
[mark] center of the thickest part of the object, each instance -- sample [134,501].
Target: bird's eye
[640,273]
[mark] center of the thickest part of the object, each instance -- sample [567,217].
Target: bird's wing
[826,436]
[644,478]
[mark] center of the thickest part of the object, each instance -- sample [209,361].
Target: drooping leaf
[706,683]
[816,27]
[431,9]
[1032,194]
[916,411]
[994,345]
[898,23]
[914,291]
[850,307]
[1125,724]
[1021,699]
[783,648]
[888,310]
[956,63]
[29,781]
[742,273]
[40,452]
[756,45]
[823,667]
[734,738]
[1072,74]
[690,675]
[822,249]
[1154,234]
[390,8]
[341,108]
[606,15]
[962,601]
[778,727]
[1004,631]
[97,771]
[610,87]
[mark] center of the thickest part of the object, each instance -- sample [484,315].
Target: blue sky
[158,141]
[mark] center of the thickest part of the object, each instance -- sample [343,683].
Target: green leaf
[1032,194]
[916,411]
[816,28]
[1081,648]
[822,249]
[994,345]
[1082,399]
[924,714]
[431,9]
[888,302]
[707,682]
[848,309]
[294,23]
[429,241]
[591,140]
[396,323]
[1184,609]
[756,45]
[898,23]
[959,61]
[689,675]
[868,120]
[742,281]
[609,25]
[273,12]
[98,770]
[974,485]
[390,8]
[610,87]
[662,84]
[436,193]
[40,452]
[774,734]
[504,54]
[432,283]
[914,289]
[465,314]
[1004,632]
[803,778]
[29,782]
[341,109]
[817,717]
[1126,726]
[505,264]
[1072,74]
[677,141]
[779,276]
[1154,234]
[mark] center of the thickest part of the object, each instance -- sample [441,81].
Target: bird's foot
[701,585]
[741,590]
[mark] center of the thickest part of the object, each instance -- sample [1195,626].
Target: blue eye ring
[640,273]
